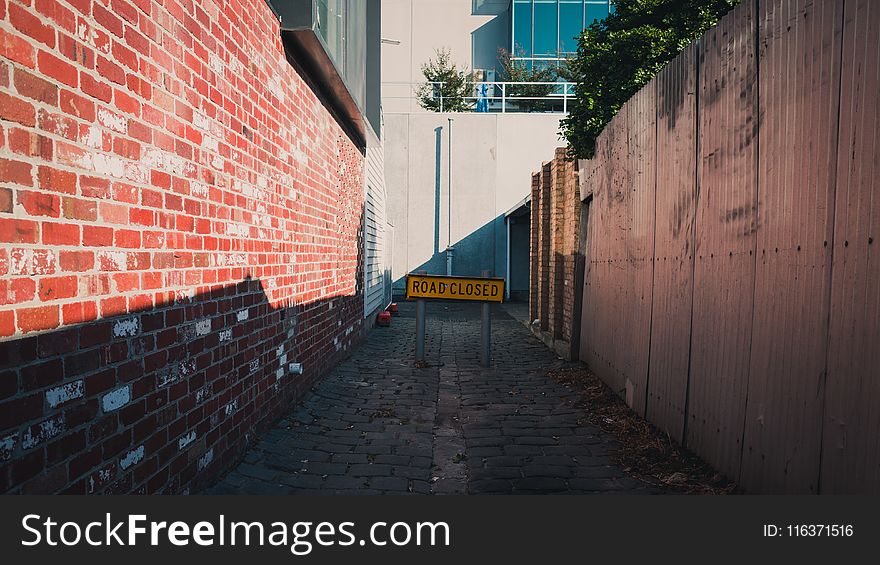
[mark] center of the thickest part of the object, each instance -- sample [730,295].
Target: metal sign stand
[485,330]
[420,330]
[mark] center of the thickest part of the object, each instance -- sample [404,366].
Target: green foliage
[450,95]
[619,55]
[514,70]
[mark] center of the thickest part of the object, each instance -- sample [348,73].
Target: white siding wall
[377,258]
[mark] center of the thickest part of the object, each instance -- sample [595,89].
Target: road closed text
[299,537]
[455,288]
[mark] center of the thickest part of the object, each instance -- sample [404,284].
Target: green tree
[620,54]
[446,87]
[516,70]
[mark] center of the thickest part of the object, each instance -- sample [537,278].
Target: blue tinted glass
[522,28]
[545,28]
[571,23]
[596,12]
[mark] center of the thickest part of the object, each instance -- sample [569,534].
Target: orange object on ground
[384,318]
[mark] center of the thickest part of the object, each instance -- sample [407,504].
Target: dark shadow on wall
[487,39]
[163,399]
[483,249]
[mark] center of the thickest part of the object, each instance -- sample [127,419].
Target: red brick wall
[556,246]
[179,224]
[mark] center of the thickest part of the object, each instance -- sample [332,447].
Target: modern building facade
[545,32]
[188,230]
[458,184]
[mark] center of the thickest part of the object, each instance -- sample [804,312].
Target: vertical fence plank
[726,221]
[851,444]
[673,243]
[642,149]
[799,74]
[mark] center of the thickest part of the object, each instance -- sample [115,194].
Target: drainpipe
[507,282]
[449,248]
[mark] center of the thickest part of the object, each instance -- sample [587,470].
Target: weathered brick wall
[555,251]
[179,228]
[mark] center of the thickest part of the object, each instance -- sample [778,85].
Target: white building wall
[377,231]
[493,156]
[421,26]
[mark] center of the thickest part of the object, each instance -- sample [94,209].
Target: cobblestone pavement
[376,424]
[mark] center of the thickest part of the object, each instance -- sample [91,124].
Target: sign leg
[485,332]
[420,331]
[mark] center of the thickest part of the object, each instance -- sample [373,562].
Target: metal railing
[496,96]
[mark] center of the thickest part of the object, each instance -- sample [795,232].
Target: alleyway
[376,424]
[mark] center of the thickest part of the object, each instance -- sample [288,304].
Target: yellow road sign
[454,288]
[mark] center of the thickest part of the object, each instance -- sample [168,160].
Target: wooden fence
[732,286]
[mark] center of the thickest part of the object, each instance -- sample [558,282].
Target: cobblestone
[378,425]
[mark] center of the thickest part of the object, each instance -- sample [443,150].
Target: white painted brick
[64,393]
[187,367]
[206,459]
[45,430]
[116,399]
[126,328]
[253,365]
[295,368]
[203,327]
[132,458]
[113,121]
[230,408]
[283,359]
[187,439]
[278,374]
[225,335]
[242,315]
[7,446]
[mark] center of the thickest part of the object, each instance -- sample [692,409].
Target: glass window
[331,26]
[571,23]
[596,12]
[522,28]
[546,31]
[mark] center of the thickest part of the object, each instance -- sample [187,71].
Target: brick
[79,209]
[95,88]
[40,203]
[5,200]
[60,234]
[60,70]
[56,180]
[31,144]
[94,187]
[97,236]
[16,291]
[57,288]
[18,231]
[77,105]
[109,70]
[36,319]
[58,13]
[16,49]
[79,312]
[108,20]
[16,172]
[32,86]
[15,109]
[7,323]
